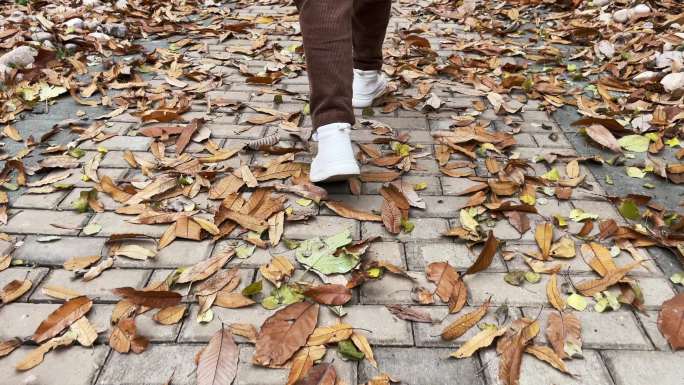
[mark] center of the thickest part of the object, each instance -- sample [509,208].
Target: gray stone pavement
[623,347]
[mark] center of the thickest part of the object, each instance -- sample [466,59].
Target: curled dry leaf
[329,294]
[409,313]
[554,295]
[122,334]
[218,360]
[283,333]
[96,270]
[464,323]
[548,355]
[170,315]
[544,237]
[303,361]
[671,321]
[345,211]
[593,286]
[61,318]
[602,136]
[329,334]
[244,330]
[450,287]
[8,346]
[84,331]
[361,343]
[35,356]
[278,270]
[486,255]
[205,268]
[481,340]
[77,263]
[149,298]
[14,290]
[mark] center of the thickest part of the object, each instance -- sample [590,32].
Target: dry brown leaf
[14,290]
[554,295]
[78,263]
[486,256]
[345,211]
[546,354]
[481,340]
[170,315]
[232,300]
[450,287]
[276,225]
[303,361]
[464,323]
[283,333]
[564,329]
[244,330]
[122,334]
[544,237]
[96,270]
[391,217]
[149,298]
[218,360]
[602,136]
[8,346]
[85,332]
[35,356]
[409,313]
[361,343]
[671,321]
[330,334]
[205,268]
[329,294]
[602,262]
[592,286]
[321,374]
[61,318]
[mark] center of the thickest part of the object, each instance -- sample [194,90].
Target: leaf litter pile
[619,63]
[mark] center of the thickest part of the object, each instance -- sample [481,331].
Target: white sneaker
[367,86]
[335,158]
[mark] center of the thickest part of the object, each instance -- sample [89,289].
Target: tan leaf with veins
[481,340]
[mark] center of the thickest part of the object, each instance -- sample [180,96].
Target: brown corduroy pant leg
[340,35]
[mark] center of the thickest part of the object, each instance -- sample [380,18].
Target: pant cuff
[366,66]
[328,117]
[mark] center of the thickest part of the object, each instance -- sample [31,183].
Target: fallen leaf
[345,211]
[205,268]
[554,295]
[391,216]
[61,318]
[564,332]
[149,298]
[546,354]
[170,315]
[464,323]
[321,374]
[14,290]
[361,342]
[330,334]
[283,333]
[450,287]
[303,361]
[329,294]
[544,237]
[593,286]
[671,321]
[486,256]
[602,136]
[219,359]
[409,314]
[481,340]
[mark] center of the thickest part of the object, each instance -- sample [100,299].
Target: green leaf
[577,302]
[284,295]
[291,244]
[317,254]
[81,204]
[532,277]
[49,92]
[253,288]
[629,210]
[76,153]
[349,351]
[579,215]
[245,251]
[304,202]
[552,176]
[634,143]
[635,172]
[674,142]
[374,272]
[467,219]
[677,278]
[407,225]
[420,186]
[515,278]
[572,349]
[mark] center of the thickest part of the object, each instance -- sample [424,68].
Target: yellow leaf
[554,294]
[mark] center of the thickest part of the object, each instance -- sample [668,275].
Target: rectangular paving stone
[428,335]
[421,254]
[484,285]
[27,221]
[39,201]
[158,276]
[649,322]
[75,177]
[100,288]
[249,374]
[392,288]
[322,226]
[58,251]
[607,330]
[385,329]
[639,368]
[120,143]
[590,370]
[113,223]
[392,252]
[421,366]
[425,229]
[33,274]
[178,253]
[194,331]
[155,366]
[73,365]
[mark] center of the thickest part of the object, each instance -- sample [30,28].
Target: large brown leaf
[187,133]
[409,314]
[329,294]
[150,298]
[464,323]
[283,333]
[321,374]
[486,255]
[205,268]
[671,321]
[450,287]
[345,211]
[218,361]
[61,318]
[391,216]
[602,136]
[544,237]
[512,347]
[564,330]
[593,286]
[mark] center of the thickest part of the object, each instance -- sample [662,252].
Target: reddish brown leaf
[218,361]
[486,255]
[329,294]
[283,333]
[154,299]
[321,374]
[391,216]
[409,313]
[671,321]
[61,318]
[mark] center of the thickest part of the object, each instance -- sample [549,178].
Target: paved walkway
[621,347]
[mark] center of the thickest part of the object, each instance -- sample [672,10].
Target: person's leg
[369,25]
[327,33]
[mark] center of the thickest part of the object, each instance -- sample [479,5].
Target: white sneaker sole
[336,173]
[363,101]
